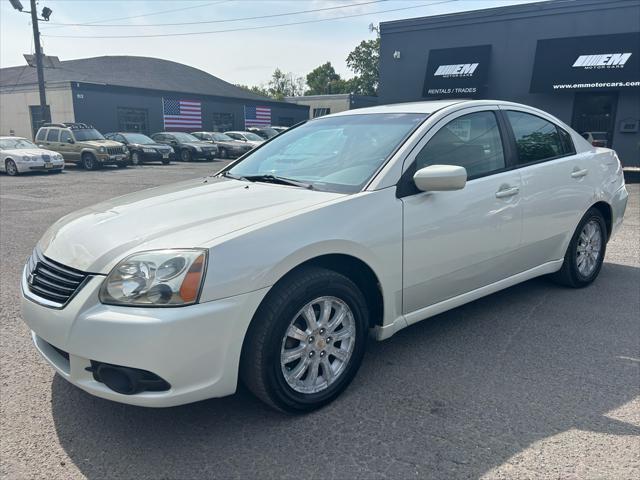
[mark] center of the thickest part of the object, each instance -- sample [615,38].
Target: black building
[135,94]
[579,60]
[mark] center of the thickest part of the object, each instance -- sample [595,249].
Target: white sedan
[247,137]
[19,155]
[274,271]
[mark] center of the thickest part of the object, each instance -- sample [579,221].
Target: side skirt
[381,333]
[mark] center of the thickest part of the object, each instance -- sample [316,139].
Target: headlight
[159,278]
[102,150]
[59,157]
[25,158]
[148,150]
[197,149]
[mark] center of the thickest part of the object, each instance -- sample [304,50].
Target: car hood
[161,146]
[182,215]
[99,143]
[30,152]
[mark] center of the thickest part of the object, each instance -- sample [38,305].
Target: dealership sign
[457,72]
[603,62]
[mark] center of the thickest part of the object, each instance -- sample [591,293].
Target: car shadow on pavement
[454,396]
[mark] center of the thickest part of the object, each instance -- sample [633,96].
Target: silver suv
[83,144]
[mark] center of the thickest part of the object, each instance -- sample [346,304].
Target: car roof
[426,107]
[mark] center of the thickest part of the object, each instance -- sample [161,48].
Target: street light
[46,13]
[16,4]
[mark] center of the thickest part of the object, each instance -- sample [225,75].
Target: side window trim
[406,187]
[504,110]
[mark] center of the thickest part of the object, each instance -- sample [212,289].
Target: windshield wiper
[277,179]
[235,177]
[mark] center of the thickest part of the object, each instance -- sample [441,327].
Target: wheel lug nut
[322,331]
[310,339]
[328,339]
[311,354]
[322,354]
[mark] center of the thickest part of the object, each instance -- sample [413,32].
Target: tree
[281,85]
[285,85]
[258,90]
[364,61]
[324,80]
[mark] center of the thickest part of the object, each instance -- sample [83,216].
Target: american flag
[257,116]
[181,114]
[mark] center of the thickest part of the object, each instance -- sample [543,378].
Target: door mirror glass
[436,178]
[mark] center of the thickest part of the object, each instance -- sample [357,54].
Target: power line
[158,35]
[96,22]
[221,21]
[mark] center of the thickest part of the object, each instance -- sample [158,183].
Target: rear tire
[327,351]
[89,162]
[11,168]
[585,254]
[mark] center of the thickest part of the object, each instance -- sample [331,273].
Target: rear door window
[53,135]
[537,139]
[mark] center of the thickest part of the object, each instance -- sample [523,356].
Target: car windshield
[185,137]
[85,134]
[338,154]
[253,137]
[137,138]
[16,144]
[221,137]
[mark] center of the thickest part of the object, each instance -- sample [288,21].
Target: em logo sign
[457,70]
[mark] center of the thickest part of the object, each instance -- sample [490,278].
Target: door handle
[507,192]
[579,173]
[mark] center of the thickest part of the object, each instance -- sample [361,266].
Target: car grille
[46,158]
[115,150]
[51,280]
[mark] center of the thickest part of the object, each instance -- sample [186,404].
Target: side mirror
[436,178]
[70,140]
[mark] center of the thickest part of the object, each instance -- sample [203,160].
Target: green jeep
[83,144]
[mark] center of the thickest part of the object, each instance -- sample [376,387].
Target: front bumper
[196,349]
[204,154]
[106,158]
[39,166]
[157,157]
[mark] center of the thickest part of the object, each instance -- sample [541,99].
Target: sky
[241,54]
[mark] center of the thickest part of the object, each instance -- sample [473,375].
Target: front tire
[306,341]
[185,155]
[11,168]
[89,162]
[136,159]
[585,254]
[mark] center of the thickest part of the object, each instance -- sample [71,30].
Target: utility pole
[44,114]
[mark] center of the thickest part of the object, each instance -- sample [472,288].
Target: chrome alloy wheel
[318,345]
[589,248]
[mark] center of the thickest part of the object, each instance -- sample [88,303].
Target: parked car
[186,146]
[276,270]
[264,132]
[143,149]
[81,143]
[248,137]
[597,139]
[227,146]
[19,155]
[280,129]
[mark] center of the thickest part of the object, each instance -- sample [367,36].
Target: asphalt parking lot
[537,381]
